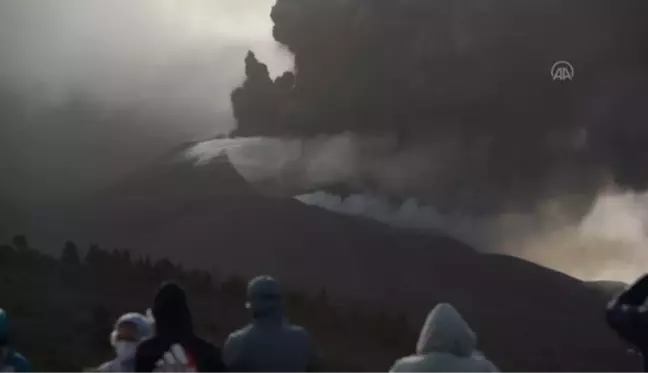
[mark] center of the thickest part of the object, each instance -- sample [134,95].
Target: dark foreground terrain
[528,317]
[63,309]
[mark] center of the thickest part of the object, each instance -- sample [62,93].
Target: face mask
[125,349]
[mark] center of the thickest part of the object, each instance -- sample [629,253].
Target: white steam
[609,243]
[346,158]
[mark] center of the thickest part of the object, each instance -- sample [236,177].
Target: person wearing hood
[269,343]
[129,331]
[175,347]
[628,316]
[446,344]
[10,359]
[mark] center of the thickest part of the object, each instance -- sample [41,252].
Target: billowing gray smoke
[449,102]
[609,243]
[466,95]
[606,240]
[452,102]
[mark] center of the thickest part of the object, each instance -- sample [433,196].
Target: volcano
[207,215]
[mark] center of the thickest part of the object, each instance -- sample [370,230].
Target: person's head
[129,330]
[4,328]
[171,312]
[264,297]
[445,330]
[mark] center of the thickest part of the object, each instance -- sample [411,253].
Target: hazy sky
[148,73]
[145,75]
[125,50]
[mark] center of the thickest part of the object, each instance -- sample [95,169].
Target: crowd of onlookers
[163,339]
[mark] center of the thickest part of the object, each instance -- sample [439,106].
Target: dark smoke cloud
[451,102]
[473,76]
[618,130]
[448,101]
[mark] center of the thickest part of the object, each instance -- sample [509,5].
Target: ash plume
[446,104]
[467,117]
[469,77]
[593,239]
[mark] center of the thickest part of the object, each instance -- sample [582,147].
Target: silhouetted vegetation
[20,242]
[63,309]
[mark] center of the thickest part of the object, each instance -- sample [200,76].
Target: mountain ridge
[207,216]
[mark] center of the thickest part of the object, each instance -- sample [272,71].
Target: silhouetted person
[175,347]
[446,344]
[269,343]
[129,331]
[10,359]
[628,316]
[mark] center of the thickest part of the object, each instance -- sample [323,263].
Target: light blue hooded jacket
[446,344]
[269,343]
[10,360]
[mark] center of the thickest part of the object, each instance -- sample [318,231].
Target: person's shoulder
[240,333]
[208,354]
[482,364]
[16,356]
[19,362]
[620,315]
[406,364]
[105,367]
[300,333]
[202,346]
[491,367]
[298,330]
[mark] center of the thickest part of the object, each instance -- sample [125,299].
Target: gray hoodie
[446,344]
[269,343]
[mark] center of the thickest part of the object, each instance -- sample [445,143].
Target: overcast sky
[125,50]
[174,62]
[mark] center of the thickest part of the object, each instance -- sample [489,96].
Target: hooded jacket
[269,343]
[175,348]
[446,344]
[10,359]
[126,362]
[628,316]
